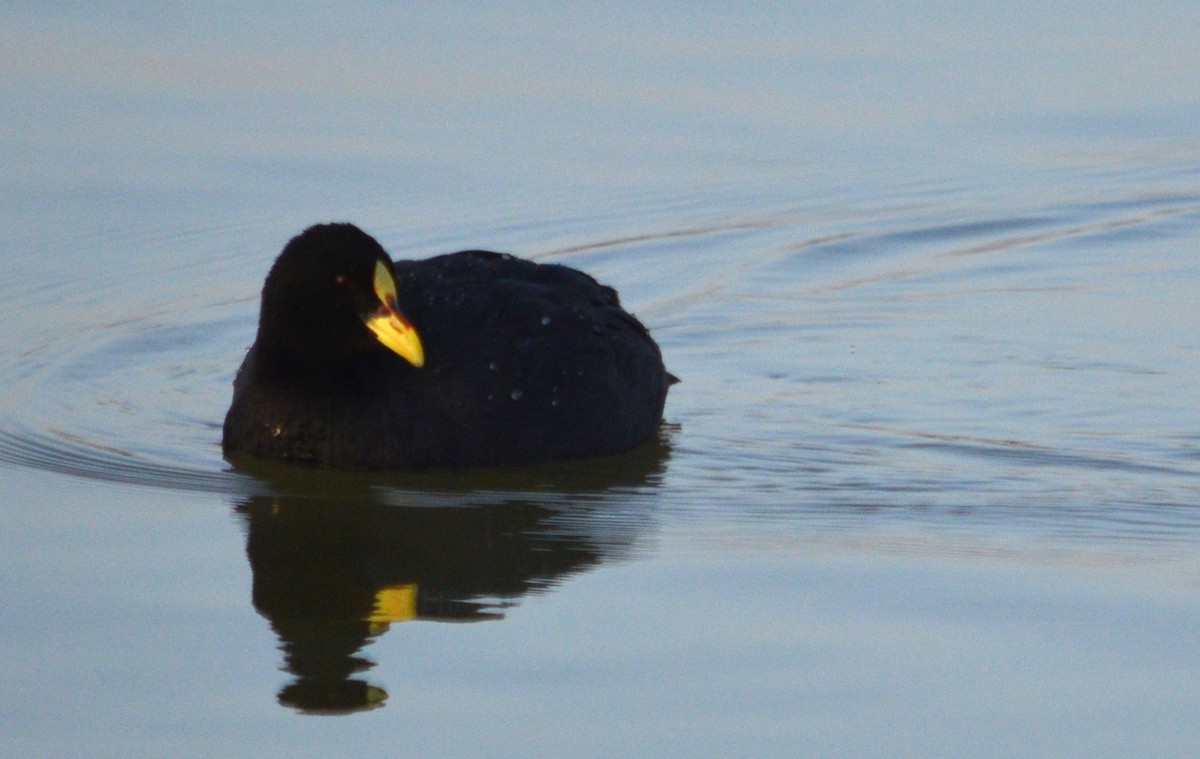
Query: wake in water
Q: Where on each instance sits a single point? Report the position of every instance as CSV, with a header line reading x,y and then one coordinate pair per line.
x,y
924,357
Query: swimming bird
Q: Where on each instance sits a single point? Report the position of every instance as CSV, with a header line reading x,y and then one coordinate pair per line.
x,y
465,359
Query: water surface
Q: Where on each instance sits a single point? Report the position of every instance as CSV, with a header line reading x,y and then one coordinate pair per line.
x,y
929,484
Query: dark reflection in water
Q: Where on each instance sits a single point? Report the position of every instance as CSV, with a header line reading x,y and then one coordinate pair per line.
x,y
338,558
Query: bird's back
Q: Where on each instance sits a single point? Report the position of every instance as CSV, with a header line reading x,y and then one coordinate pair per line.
x,y
526,361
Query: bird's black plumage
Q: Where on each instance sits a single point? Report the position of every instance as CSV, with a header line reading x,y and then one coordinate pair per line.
x,y
523,362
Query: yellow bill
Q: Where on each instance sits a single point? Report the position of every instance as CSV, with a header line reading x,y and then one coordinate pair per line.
x,y
389,325
396,603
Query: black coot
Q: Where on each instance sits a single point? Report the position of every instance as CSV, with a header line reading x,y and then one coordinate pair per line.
x,y
466,359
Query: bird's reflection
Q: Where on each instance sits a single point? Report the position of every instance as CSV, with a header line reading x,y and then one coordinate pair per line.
x,y
338,558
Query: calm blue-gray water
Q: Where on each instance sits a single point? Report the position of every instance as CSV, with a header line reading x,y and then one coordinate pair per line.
x,y
930,485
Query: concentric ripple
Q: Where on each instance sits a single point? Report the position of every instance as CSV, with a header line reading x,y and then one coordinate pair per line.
x,y
843,367
133,400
